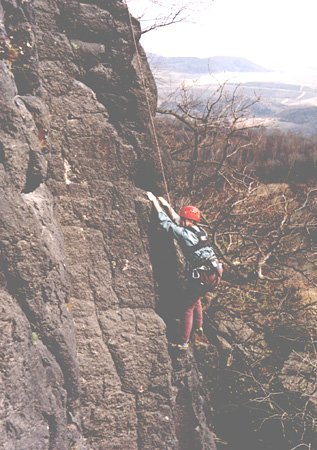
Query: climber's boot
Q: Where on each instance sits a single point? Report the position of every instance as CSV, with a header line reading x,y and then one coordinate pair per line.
x,y
183,346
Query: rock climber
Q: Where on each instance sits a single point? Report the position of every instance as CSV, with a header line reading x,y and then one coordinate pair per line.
x,y
204,272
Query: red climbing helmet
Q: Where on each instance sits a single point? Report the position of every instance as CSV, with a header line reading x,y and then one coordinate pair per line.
x,y
190,212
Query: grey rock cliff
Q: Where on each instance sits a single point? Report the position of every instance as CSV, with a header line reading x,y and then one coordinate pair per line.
x,y
84,360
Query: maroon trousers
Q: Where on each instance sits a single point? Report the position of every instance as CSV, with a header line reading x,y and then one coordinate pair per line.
x,y
193,311
192,307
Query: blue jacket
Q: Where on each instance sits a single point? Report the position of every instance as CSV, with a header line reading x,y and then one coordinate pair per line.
x,y
185,237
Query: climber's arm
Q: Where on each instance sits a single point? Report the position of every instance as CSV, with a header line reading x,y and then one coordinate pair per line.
x,y
171,211
155,202
180,233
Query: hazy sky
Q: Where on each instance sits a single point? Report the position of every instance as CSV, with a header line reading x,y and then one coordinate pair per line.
x,y
273,33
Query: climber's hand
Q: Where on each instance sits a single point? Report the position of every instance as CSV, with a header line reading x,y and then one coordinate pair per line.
x,y
164,202
151,196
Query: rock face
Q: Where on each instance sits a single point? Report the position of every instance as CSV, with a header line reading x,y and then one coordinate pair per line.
x,y
84,356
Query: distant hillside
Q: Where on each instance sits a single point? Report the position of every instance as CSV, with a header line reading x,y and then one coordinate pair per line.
x,y
300,119
299,116
214,64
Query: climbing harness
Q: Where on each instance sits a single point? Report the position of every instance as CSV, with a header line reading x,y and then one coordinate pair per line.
x,y
207,279
148,102
206,272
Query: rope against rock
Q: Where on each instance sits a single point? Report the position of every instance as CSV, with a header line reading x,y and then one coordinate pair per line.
x,y
148,103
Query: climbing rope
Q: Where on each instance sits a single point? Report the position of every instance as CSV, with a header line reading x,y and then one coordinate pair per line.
x,y
148,102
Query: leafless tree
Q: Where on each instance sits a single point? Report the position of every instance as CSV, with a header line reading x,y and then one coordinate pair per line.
x,y
156,14
216,127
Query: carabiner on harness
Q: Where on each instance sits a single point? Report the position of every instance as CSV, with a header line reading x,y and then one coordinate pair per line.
x,y
195,274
